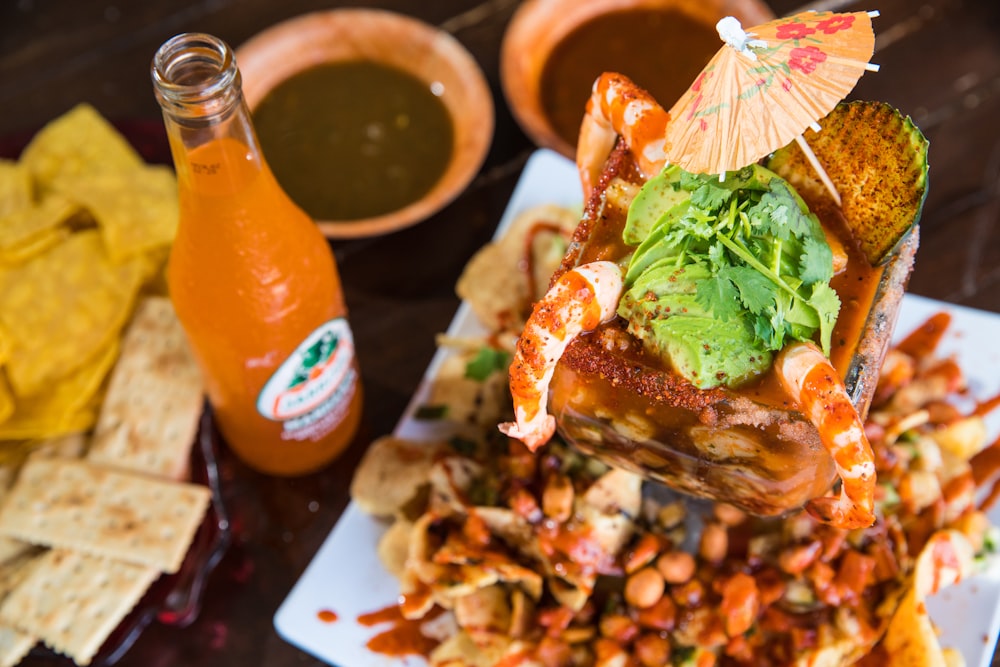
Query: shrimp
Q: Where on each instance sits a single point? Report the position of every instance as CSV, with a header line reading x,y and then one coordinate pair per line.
x,y
581,300
618,107
808,376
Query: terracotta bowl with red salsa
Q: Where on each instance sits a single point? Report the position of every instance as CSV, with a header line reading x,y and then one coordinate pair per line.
x,y
553,50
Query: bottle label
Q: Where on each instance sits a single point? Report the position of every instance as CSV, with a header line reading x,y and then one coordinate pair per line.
x,y
311,389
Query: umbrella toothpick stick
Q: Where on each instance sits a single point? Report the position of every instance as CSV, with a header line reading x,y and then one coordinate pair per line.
x,y
820,171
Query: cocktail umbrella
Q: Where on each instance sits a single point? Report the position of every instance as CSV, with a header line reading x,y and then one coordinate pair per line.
x,y
766,86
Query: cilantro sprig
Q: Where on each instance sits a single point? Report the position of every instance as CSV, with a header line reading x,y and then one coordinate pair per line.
x,y
487,361
748,249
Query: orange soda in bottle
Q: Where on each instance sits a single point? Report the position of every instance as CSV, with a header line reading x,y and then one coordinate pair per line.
x,y
252,278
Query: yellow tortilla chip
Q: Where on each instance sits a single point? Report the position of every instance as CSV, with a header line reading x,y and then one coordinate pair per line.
x,y
4,340
494,283
137,211
62,307
391,474
31,429
15,187
67,408
80,141
21,227
35,246
6,400
156,281
911,638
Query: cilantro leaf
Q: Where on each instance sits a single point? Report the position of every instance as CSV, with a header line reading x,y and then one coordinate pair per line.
x,y
826,302
778,214
486,362
710,196
719,297
757,291
816,261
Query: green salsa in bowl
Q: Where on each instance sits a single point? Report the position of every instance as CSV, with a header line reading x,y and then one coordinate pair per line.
x,y
370,120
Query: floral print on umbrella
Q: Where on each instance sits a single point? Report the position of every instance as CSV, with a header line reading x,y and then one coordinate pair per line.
x,y
778,76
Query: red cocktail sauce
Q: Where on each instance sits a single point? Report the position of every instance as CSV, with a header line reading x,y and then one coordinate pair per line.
x,y
404,637
922,341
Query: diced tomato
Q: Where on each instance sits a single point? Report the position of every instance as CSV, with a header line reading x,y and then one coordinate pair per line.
x,y
854,575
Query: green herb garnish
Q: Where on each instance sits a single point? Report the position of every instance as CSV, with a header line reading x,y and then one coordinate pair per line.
x,y
431,412
486,362
725,273
464,446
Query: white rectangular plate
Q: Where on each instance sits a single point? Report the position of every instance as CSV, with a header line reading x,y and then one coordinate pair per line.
x,y
347,578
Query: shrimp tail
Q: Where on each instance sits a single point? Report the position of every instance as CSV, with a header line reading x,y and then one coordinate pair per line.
x,y
580,300
618,107
808,376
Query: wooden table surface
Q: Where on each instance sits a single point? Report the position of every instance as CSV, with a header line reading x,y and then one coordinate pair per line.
x,y
940,63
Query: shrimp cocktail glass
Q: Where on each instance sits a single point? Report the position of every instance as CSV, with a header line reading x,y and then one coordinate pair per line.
x,y
723,334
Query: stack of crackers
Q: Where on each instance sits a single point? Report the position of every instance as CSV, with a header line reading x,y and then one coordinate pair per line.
x,y
87,524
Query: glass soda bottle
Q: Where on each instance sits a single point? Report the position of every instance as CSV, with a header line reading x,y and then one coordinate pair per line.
x,y
252,278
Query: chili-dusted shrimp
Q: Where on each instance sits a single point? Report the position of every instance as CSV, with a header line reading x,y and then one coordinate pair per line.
x,y
580,300
808,376
618,107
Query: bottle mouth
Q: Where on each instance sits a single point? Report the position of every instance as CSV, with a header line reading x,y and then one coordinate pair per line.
x,y
195,76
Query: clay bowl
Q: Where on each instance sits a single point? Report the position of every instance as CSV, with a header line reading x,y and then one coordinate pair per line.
x,y
540,26
431,55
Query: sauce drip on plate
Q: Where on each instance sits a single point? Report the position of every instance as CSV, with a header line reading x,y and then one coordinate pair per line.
x,y
404,636
327,615
661,49
355,139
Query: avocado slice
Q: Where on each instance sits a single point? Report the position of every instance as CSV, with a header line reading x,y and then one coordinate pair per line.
x,y
664,313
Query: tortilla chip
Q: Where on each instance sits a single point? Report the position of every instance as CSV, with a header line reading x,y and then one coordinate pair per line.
x,y
21,227
483,650
494,282
32,247
136,210
15,188
393,547
78,142
156,283
391,474
468,400
486,609
62,307
4,342
911,639
451,479
66,408
6,400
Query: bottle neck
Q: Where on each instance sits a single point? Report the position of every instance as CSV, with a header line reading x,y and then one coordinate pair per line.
x,y
197,83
